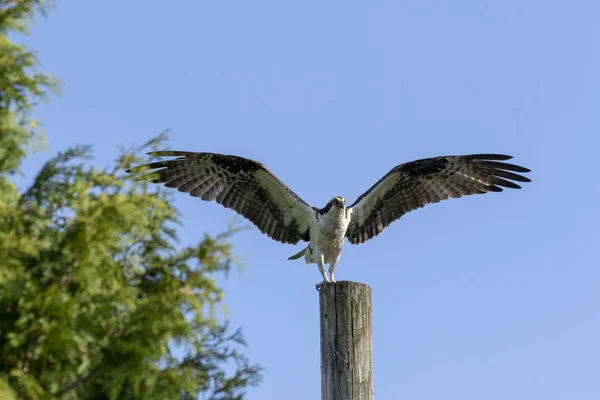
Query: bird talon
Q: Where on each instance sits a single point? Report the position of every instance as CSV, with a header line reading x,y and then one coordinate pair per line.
x,y
318,285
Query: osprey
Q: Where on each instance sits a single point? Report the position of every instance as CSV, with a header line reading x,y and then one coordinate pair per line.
x,y
250,189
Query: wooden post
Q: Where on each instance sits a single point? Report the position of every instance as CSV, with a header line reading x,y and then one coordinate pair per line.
x,y
346,341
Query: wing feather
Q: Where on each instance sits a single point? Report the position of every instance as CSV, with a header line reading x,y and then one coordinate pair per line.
x,y
241,184
415,184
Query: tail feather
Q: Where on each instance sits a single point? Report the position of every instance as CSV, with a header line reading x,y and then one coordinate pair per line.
x,y
299,254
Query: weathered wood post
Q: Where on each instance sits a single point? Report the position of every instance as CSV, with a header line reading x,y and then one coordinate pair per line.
x,y
346,341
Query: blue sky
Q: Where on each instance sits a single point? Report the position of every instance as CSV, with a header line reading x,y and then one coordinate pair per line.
x,y
486,297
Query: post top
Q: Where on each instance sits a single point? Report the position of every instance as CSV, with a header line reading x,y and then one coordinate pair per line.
x,y
344,285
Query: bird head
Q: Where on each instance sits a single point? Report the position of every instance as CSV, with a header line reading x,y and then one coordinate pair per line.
x,y
338,201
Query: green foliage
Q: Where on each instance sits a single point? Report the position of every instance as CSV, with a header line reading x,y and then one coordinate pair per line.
x,y
21,84
94,290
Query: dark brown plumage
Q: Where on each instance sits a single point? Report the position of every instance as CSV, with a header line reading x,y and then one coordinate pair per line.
x,y
415,184
250,189
238,183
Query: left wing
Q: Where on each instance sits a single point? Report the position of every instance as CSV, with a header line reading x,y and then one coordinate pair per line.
x,y
415,184
241,184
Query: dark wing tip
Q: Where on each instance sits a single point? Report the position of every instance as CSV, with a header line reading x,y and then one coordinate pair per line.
x,y
501,174
494,188
502,165
503,182
138,169
167,153
498,157
522,179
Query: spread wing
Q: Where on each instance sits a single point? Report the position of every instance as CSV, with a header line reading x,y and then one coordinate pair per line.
x,y
240,184
414,184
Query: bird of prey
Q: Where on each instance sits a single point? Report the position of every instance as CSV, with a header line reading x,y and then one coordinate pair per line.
x,y
250,189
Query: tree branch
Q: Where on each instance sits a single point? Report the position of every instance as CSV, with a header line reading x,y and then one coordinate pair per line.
x,y
76,383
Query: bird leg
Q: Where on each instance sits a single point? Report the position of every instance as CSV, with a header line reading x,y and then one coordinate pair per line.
x,y
332,268
320,264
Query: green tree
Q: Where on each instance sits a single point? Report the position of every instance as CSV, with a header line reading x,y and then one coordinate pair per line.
x,y
95,292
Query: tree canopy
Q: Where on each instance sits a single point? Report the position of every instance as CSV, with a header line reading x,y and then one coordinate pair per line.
x,y
97,298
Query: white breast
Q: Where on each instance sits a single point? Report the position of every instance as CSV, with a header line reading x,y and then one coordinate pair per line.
x,y
329,233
